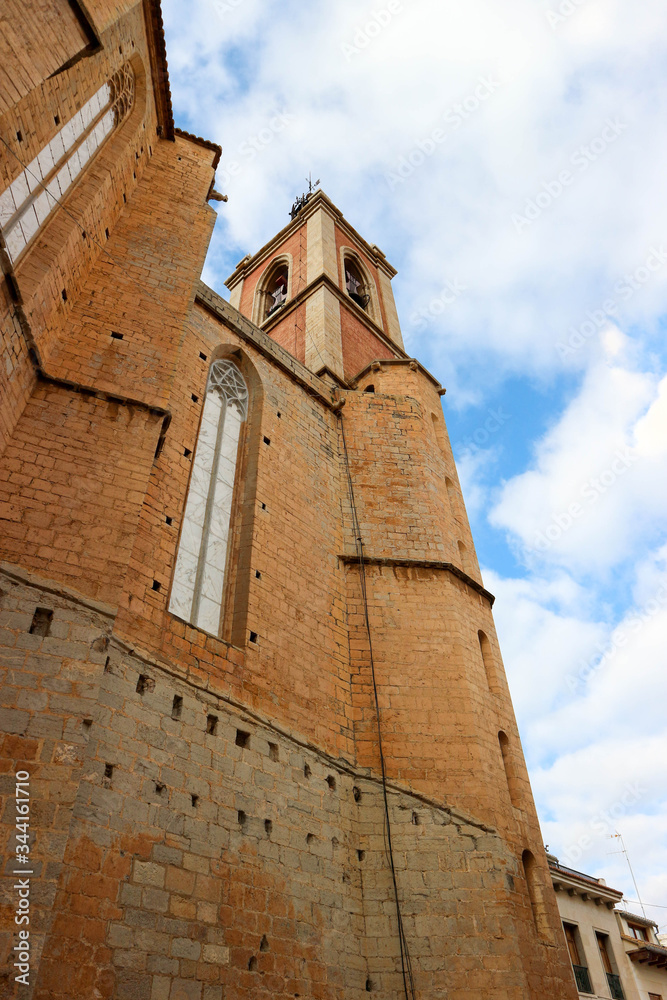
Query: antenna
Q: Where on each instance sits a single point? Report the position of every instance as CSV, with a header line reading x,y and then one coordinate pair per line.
x,y
311,186
618,836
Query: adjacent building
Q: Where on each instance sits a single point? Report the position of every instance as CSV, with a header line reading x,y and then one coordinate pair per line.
x,y
614,953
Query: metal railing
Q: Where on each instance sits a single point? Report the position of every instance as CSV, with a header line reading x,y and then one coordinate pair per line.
x,y
582,978
615,986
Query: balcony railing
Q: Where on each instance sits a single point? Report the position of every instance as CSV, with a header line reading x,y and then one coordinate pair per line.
x,y
582,978
615,986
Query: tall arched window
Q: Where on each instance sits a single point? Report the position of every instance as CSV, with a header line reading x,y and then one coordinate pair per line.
x,y
489,663
273,290
453,497
510,770
31,197
199,577
535,894
355,284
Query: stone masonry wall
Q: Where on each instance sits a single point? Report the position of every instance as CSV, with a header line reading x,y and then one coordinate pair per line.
x,y
193,850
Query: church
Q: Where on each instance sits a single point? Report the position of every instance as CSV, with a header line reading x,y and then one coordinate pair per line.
x,y
257,739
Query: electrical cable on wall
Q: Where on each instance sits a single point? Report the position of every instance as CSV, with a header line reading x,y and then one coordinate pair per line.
x,y
406,965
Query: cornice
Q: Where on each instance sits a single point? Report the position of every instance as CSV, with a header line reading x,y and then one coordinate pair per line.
x,y
351,560
206,143
274,353
411,363
317,200
157,50
587,888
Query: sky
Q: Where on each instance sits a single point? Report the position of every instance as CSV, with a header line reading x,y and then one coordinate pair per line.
x,y
509,158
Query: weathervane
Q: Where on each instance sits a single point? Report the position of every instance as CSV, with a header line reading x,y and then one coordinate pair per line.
x,y
303,200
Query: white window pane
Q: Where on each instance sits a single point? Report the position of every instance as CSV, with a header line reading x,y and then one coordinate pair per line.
x,y
191,536
181,601
85,152
15,241
86,114
209,615
77,124
64,180
107,122
67,135
33,175
29,223
7,206
104,95
45,160
212,583
73,166
53,189
20,189
42,206
57,148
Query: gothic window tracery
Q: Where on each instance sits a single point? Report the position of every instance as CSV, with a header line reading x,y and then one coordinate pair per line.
x,y
31,198
199,577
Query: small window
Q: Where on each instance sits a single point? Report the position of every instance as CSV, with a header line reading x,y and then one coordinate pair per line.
x,y
572,944
604,952
638,932
355,285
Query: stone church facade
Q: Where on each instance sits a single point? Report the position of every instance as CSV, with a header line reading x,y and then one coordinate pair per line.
x,y
248,661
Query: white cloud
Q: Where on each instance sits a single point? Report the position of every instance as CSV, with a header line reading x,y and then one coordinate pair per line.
x,y
597,484
580,687
354,118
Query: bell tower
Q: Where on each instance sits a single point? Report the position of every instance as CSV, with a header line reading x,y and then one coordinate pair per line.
x,y
322,292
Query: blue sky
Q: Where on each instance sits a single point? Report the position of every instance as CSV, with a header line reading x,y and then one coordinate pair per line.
x,y
509,159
